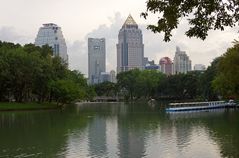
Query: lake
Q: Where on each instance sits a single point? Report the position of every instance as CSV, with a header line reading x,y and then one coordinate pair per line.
x,y
119,130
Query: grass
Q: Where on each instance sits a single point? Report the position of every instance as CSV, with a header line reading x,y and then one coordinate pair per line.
x,y
7,106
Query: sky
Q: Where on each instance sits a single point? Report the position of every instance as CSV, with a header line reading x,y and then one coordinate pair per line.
x,y
20,21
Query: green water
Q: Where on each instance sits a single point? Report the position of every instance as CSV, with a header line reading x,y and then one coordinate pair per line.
x,y
119,130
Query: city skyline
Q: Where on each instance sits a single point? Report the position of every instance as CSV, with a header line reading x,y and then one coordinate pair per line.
x,y
77,27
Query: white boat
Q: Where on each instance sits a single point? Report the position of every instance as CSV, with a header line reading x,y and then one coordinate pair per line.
x,y
200,106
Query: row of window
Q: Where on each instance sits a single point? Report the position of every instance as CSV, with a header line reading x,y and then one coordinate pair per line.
x,y
56,49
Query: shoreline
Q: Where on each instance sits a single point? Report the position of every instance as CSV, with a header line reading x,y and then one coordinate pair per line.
x,y
7,106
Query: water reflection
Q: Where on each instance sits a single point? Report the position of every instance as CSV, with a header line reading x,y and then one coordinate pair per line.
x,y
130,137
97,137
118,130
35,134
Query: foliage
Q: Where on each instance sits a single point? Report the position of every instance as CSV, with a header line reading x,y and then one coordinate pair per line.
x,y
202,15
106,89
136,84
181,86
26,106
30,73
65,91
226,81
206,86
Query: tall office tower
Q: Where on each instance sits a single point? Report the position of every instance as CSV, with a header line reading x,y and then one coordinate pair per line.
x,y
182,63
130,47
51,35
145,61
199,67
96,59
166,65
112,76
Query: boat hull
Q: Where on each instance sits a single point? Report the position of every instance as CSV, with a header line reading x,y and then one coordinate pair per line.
x,y
200,108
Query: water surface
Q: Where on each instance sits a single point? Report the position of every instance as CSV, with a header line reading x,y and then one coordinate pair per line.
x,y
119,130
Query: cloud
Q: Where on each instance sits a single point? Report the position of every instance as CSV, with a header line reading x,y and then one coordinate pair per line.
x,y
78,51
200,52
10,34
78,59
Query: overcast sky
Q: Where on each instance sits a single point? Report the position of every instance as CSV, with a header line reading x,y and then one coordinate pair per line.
x,y
80,19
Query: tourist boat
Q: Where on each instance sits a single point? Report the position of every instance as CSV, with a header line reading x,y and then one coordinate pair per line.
x,y
200,106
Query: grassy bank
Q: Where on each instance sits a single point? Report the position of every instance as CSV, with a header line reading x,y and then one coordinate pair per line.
x,y
26,106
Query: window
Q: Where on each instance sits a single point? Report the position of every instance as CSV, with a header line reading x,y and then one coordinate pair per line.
x,y
56,49
96,47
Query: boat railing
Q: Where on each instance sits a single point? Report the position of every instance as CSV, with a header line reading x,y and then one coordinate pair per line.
x,y
189,104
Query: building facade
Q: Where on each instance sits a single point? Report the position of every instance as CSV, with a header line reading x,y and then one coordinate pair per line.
x,y
104,77
130,47
182,63
166,65
96,59
152,67
199,67
51,34
113,76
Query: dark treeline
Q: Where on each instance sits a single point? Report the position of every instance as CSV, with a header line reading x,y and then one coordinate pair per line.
x,y
221,79
136,84
30,73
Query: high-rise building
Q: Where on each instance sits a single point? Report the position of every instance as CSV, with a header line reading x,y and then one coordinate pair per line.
x,y
150,65
182,63
166,65
112,76
51,34
145,61
96,59
130,47
199,67
104,77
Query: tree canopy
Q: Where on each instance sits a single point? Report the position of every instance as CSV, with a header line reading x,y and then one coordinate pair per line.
x,y
202,16
226,81
30,73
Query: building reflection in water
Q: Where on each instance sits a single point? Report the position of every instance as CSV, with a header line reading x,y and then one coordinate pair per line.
x,y
131,140
97,137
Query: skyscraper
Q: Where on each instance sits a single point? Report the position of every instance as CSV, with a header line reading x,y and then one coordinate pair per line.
x,y
182,63
166,65
130,47
112,76
51,35
96,59
199,67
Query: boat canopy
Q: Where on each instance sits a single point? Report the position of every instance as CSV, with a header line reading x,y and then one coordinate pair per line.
x,y
195,103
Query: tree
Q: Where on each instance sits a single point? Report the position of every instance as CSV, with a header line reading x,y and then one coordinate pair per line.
x,y
135,84
106,89
80,82
226,81
206,88
147,83
65,91
31,73
202,15
127,82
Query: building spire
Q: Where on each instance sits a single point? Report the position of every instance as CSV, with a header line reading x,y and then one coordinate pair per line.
x,y
129,21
